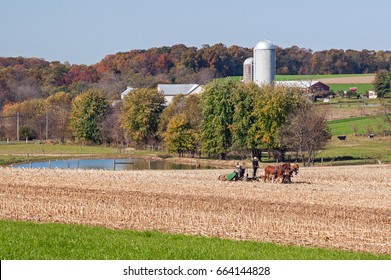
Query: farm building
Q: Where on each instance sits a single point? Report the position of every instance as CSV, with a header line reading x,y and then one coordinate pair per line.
x,y
171,90
372,94
126,92
308,86
261,68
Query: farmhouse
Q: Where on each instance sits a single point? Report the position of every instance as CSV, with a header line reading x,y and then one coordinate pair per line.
x,y
308,86
171,90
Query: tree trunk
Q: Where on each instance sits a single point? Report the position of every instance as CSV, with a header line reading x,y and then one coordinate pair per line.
x,y
222,156
257,153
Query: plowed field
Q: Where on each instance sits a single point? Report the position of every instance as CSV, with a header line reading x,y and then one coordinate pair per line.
x,y
349,80
340,207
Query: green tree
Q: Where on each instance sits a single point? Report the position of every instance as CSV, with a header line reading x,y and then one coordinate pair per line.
x,y
271,113
141,112
217,110
27,132
88,110
381,84
244,128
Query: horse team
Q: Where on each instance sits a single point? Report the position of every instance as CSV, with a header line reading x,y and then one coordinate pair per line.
x,y
280,173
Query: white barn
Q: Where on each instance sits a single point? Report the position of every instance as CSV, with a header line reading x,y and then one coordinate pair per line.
x,y
171,90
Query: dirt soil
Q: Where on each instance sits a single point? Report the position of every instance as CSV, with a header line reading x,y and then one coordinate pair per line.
x,y
335,207
349,80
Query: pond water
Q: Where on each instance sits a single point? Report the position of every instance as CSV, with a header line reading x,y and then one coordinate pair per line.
x,y
110,164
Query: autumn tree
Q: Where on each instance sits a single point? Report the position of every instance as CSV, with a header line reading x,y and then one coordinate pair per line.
x,y
88,111
180,137
271,113
187,104
58,108
306,133
111,126
189,107
141,112
31,117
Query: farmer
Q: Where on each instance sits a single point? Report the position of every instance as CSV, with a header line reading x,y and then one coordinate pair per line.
x,y
239,170
255,166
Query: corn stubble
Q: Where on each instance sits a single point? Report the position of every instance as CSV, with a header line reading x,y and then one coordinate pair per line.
x,y
339,207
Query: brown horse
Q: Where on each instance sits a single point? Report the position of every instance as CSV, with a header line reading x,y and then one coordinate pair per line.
x,y
277,172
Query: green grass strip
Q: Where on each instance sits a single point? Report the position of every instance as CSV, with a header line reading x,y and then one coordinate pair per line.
x,y
31,241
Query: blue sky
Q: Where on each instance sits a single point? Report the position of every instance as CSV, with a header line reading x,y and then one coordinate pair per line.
x,y
85,31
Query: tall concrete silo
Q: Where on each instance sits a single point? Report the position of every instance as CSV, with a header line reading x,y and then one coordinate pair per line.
x,y
248,66
264,62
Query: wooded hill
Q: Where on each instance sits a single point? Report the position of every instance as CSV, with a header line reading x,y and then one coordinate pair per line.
x,y
24,78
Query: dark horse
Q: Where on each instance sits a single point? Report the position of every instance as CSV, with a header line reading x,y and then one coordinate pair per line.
x,y
294,169
277,172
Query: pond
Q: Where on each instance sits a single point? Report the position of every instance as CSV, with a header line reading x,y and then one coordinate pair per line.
x,y
110,164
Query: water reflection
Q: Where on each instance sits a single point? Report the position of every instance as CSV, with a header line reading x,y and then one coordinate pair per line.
x,y
110,164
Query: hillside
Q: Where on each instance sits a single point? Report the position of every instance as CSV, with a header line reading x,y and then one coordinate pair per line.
x,y
23,78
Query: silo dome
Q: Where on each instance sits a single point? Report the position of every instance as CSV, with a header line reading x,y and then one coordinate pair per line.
x,y
264,62
265,45
248,70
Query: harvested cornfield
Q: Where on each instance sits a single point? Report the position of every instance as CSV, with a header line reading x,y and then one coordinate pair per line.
x,y
340,207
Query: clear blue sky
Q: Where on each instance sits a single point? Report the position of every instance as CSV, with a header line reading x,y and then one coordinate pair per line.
x,y
85,31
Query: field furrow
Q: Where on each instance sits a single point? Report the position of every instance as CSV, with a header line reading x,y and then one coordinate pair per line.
x,y
340,207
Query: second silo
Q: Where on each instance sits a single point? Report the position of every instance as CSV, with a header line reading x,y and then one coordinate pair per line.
x,y
264,62
248,67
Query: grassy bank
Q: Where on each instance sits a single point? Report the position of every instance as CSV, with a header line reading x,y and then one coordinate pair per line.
x,y
23,240
35,148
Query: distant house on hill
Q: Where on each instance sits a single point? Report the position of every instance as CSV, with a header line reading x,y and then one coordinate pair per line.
x,y
307,85
171,90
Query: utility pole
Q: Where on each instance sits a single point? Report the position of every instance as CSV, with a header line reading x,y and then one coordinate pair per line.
x,y
17,126
47,125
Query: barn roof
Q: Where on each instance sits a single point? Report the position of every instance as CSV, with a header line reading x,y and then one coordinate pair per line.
x,y
174,89
298,83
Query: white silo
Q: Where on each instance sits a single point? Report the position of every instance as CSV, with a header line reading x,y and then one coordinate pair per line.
x,y
248,66
264,62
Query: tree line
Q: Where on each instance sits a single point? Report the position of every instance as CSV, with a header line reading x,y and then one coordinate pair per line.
x,y
227,117
24,78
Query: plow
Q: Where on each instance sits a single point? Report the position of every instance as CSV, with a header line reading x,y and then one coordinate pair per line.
x,y
281,173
